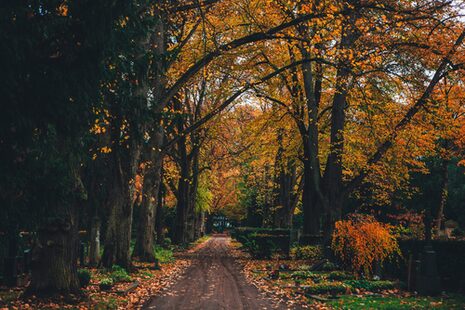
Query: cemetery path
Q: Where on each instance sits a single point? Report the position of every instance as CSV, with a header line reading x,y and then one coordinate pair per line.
x,y
213,281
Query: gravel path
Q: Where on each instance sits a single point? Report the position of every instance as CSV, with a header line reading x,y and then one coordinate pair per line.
x,y
213,281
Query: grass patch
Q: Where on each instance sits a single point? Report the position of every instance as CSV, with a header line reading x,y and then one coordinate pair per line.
x,y
163,255
340,275
119,274
306,275
201,240
398,303
332,288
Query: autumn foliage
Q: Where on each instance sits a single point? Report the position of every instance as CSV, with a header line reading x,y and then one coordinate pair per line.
x,y
360,241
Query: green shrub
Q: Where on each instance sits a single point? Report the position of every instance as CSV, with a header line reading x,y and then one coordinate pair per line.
x,y
264,246
329,266
84,277
106,284
327,288
263,242
340,275
374,286
166,242
307,252
458,232
119,274
163,255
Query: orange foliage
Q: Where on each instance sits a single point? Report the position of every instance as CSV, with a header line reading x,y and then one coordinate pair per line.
x,y
360,241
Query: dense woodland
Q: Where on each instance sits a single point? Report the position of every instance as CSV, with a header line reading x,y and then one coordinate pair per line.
x,y
137,121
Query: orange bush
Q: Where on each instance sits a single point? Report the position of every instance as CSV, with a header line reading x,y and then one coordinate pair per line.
x,y
360,241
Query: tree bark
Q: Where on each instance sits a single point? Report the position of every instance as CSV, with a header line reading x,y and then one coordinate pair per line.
x,y
311,196
285,180
152,153
333,182
152,178
94,249
119,224
124,164
54,260
444,195
55,252
159,216
182,195
193,187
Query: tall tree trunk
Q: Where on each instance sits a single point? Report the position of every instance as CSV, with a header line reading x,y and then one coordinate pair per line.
x,y
94,236
333,174
444,195
124,164
285,179
181,213
159,216
119,224
182,196
311,208
192,213
312,196
152,153
54,259
152,178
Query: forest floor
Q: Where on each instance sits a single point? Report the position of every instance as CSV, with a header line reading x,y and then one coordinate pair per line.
x,y
214,280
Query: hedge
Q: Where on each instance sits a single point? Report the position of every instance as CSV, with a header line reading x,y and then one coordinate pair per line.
x,y
310,239
263,242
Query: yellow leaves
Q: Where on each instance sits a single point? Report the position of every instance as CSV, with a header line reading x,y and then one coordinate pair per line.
x,y
105,150
101,150
62,10
123,21
332,8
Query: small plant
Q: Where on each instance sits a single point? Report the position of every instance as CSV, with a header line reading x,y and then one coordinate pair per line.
x,y
146,274
119,274
329,266
308,252
163,255
84,277
373,286
106,284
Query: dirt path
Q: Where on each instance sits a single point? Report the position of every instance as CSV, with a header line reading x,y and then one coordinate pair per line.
x,y
213,281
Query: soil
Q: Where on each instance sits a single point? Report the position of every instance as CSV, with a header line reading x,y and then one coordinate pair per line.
x,y
213,281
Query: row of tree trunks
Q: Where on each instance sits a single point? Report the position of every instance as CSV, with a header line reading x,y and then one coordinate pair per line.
x,y
322,196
